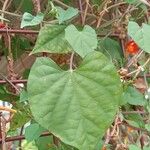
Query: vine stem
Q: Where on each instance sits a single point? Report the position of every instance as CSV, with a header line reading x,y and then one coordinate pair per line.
x,y
22,137
137,71
71,61
81,9
9,13
85,12
3,9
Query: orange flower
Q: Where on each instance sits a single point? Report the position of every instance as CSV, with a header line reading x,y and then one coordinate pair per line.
x,y
132,47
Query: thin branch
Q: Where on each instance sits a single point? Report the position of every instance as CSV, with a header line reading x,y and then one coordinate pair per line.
x,y
8,81
81,10
13,81
9,13
3,9
133,112
71,61
22,137
85,12
18,31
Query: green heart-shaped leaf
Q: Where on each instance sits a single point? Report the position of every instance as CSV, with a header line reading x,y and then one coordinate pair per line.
x,y
52,39
29,20
33,131
83,42
64,15
140,35
77,106
134,97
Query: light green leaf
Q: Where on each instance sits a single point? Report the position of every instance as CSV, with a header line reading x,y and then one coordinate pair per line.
x,y
134,97
1,18
147,127
133,123
76,106
23,96
140,35
146,148
110,48
64,15
132,1
21,117
33,131
29,20
52,39
83,42
134,147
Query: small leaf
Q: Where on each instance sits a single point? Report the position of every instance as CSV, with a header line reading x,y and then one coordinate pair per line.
x,y
64,15
147,127
134,97
33,131
21,117
23,96
110,48
133,123
83,42
77,106
146,148
134,147
52,39
30,20
140,35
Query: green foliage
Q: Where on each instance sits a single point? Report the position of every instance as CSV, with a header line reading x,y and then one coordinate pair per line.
x,y
64,15
132,1
33,131
25,5
140,35
73,105
28,146
44,143
96,2
51,39
30,20
135,120
7,96
134,147
110,48
147,127
19,46
22,116
23,96
82,42
134,97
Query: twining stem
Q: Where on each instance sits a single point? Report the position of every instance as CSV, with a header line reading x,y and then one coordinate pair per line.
x,y
137,71
85,12
81,10
71,61
7,80
9,13
3,9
